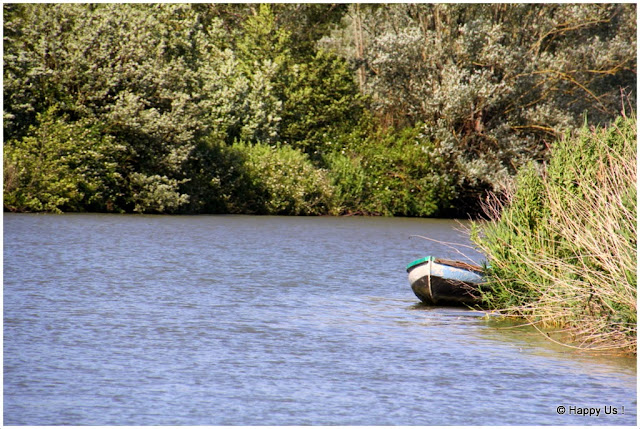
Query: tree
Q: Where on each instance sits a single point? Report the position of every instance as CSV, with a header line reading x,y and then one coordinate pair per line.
x,y
300,97
321,104
150,75
494,84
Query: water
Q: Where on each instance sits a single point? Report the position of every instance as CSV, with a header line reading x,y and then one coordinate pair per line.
x,y
241,320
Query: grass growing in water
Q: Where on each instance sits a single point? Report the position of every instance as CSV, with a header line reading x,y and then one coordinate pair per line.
x,y
561,244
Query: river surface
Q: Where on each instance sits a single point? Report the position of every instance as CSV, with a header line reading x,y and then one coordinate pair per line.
x,y
244,320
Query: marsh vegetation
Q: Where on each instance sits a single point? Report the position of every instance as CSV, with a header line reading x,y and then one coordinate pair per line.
x,y
562,243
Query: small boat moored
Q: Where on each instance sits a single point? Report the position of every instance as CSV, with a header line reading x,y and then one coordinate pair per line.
x,y
443,282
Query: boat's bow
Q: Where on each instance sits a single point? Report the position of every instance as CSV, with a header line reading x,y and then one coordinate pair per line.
x,y
440,281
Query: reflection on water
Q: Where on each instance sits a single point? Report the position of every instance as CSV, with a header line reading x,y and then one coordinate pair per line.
x,y
242,320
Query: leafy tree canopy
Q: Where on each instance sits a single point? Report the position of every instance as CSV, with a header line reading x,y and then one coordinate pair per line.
x,y
399,109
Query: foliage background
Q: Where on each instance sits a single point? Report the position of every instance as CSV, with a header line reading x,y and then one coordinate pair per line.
x,y
400,109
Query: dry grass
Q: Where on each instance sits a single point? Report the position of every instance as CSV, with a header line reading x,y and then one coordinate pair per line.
x,y
566,256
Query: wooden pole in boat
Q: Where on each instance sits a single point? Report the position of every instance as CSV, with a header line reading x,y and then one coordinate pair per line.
x,y
429,265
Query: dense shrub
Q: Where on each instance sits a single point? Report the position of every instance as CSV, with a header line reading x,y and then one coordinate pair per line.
x,y
390,173
61,165
150,76
290,183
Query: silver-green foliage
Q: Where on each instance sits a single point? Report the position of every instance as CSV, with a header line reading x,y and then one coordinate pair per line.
x,y
493,84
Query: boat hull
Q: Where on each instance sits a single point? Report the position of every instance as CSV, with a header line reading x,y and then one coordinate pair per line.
x,y
435,282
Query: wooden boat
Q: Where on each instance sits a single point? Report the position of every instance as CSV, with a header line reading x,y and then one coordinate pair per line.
x,y
442,282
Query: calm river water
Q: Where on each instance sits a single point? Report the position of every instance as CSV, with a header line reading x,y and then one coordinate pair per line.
x,y
243,320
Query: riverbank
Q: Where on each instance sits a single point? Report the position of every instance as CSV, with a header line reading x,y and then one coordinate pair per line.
x,y
561,243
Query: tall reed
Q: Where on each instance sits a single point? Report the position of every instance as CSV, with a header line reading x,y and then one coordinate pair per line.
x,y
561,243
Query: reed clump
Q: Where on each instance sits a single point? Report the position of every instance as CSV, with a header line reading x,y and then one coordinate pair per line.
x,y
561,242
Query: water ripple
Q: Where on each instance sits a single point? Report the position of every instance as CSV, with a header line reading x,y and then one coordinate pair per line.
x,y
240,320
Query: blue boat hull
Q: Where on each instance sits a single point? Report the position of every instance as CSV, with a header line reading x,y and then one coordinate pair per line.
x,y
440,282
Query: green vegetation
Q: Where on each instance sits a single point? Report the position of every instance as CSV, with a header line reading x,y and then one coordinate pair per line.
x,y
391,172
399,109
562,245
